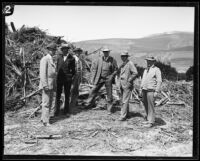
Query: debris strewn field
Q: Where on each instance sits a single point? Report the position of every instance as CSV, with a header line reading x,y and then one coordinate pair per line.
x,y
88,131
94,132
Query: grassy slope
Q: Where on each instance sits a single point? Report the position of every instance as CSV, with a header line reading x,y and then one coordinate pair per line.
x,y
178,47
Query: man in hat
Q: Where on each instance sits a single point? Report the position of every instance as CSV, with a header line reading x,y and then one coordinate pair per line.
x,y
150,86
128,74
65,74
47,82
102,73
77,77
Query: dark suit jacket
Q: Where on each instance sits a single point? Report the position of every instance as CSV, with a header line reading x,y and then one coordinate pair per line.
x,y
65,70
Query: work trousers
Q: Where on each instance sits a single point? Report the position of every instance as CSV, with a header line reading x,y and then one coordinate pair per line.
x,y
75,89
148,100
47,99
97,87
125,97
67,88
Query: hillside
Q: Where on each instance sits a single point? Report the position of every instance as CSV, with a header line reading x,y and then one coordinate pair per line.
x,y
175,46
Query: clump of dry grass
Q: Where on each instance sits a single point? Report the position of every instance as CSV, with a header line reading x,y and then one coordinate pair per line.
x,y
179,91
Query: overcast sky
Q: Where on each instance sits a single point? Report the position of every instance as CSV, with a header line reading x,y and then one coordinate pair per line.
x,y
77,23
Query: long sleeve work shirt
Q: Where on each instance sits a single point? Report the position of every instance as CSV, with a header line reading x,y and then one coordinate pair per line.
x,y
151,79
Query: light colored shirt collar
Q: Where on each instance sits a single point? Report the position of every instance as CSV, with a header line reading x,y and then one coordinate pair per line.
x,y
65,57
105,58
148,68
125,62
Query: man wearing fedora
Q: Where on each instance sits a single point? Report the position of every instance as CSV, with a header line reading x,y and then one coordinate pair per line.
x,y
47,82
102,74
65,73
77,77
128,74
150,86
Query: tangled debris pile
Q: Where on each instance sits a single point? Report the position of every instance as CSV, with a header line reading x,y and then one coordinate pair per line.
x,y
177,93
23,50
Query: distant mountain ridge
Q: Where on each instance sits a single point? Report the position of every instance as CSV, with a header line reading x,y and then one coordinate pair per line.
x,y
176,44
156,42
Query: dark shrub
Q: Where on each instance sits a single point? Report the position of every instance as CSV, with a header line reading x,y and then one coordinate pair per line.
x,y
189,74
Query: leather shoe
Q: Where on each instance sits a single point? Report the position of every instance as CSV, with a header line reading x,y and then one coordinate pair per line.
x,y
148,125
145,122
46,124
145,118
121,119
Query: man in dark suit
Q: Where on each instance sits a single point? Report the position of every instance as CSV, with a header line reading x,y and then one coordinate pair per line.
x,y
65,73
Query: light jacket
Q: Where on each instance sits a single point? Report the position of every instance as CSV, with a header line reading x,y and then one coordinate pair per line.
x,y
127,72
47,72
151,80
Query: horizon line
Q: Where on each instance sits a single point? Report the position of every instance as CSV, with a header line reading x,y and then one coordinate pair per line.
x,y
155,34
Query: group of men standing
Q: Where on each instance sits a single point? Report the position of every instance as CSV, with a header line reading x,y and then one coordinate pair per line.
x,y
67,73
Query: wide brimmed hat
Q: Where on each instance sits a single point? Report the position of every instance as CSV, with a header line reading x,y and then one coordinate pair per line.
x,y
64,46
125,53
151,58
52,46
77,49
106,49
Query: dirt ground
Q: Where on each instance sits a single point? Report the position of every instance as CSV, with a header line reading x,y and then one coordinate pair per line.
x,y
94,132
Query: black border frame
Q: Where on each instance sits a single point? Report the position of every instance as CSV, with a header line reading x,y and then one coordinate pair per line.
x,y
194,4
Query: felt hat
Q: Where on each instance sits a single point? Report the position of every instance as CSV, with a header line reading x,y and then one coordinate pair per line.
x,y
64,46
78,49
106,49
52,46
125,53
151,58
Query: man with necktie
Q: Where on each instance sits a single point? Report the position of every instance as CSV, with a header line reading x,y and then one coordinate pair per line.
x,y
47,82
65,73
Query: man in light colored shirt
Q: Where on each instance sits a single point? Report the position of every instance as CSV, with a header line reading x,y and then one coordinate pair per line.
x,y
77,77
128,73
47,82
150,86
